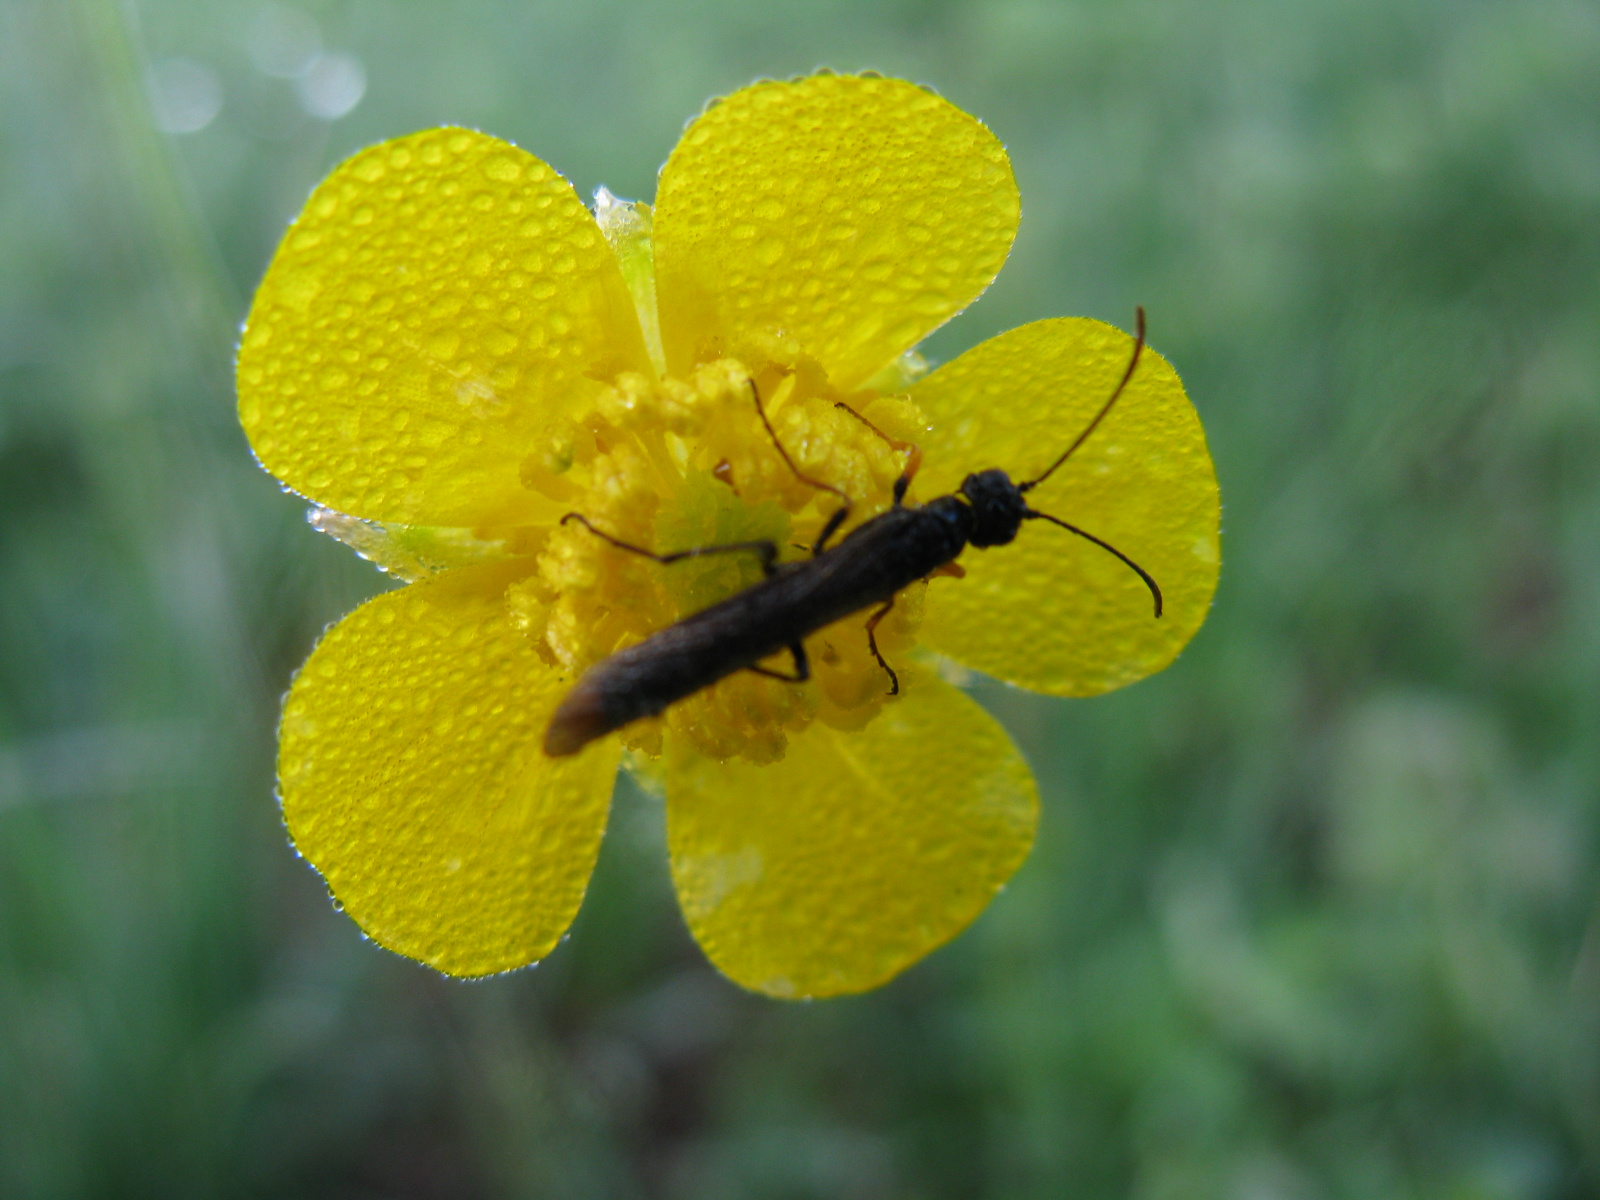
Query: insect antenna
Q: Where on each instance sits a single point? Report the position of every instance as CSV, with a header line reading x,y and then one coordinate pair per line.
x,y
1138,347
1155,588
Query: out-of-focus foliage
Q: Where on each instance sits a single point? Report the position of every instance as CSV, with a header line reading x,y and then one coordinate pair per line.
x,y
1313,914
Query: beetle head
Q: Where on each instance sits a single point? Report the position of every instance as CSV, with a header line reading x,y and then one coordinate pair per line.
x,y
997,507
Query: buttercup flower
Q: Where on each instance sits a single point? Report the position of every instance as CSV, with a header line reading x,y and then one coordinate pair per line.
x,y
450,352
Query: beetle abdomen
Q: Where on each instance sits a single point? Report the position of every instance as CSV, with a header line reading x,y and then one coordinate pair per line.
x,y
876,560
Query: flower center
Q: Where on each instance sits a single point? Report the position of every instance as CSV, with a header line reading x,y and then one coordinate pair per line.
x,y
676,464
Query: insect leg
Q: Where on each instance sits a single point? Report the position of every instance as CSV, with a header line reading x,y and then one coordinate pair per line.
x,y
872,643
802,666
839,517
913,455
763,549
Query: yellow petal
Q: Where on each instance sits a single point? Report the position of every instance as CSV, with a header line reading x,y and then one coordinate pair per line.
x,y
852,215
835,869
440,300
1052,612
413,777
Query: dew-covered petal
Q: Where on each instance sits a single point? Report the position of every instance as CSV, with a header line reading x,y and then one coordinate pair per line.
x,y
414,779
835,869
1052,612
439,302
851,215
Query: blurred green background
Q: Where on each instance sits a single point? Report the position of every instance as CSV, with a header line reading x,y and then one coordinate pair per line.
x,y
1312,915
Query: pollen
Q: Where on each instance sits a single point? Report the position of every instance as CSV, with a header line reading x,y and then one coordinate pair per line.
x,y
672,464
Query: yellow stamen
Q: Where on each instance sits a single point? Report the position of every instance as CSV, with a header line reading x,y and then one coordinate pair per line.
x,y
672,464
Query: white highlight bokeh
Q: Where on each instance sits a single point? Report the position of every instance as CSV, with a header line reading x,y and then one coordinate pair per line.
x,y
332,85
185,96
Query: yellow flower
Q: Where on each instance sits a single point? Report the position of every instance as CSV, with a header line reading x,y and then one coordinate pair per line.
x,y
449,352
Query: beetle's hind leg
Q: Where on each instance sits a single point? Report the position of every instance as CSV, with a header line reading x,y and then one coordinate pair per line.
x,y
765,550
872,643
913,453
802,666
